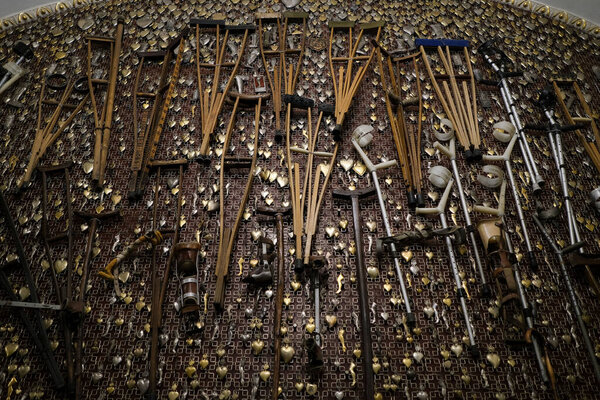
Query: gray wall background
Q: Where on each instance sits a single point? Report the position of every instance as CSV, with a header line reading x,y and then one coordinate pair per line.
x,y
587,9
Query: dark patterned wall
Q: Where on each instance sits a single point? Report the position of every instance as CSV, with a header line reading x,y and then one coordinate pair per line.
x,y
432,361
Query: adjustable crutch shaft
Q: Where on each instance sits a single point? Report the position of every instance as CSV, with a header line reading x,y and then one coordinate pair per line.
x,y
484,285
573,299
460,290
527,313
557,152
519,208
410,316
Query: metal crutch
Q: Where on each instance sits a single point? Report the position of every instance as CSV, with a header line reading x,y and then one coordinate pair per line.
x,y
506,132
488,51
540,355
450,152
362,137
441,177
571,293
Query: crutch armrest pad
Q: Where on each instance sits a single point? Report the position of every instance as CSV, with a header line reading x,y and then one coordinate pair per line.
x,y
372,25
295,15
207,23
341,24
240,28
441,42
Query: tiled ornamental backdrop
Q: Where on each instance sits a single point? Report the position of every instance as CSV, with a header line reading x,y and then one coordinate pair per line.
x,y
116,340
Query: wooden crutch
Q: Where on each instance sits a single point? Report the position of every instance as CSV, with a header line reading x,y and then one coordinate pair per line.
x,y
227,234
284,78
345,83
103,122
212,98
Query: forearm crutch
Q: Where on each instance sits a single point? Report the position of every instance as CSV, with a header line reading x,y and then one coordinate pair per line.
x,y
506,132
362,137
441,177
497,242
500,64
450,152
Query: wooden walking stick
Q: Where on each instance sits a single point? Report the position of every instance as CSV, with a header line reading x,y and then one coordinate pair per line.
x,y
277,56
345,83
148,126
278,214
213,97
103,122
363,294
227,234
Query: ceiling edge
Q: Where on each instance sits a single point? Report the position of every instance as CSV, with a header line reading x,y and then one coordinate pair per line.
x,y
556,14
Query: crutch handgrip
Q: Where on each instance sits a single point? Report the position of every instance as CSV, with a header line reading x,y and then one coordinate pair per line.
x,y
386,164
441,42
370,166
507,152
499,212
449,151
441,205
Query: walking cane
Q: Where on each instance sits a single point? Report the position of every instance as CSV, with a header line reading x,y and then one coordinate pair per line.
x,y
363,294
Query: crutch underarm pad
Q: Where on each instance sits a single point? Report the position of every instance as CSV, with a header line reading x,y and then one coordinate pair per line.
x,y
207,23
441,42
240,28
295,15
372,25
